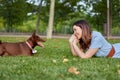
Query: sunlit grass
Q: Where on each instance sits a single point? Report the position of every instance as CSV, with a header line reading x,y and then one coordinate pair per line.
x,y
47,64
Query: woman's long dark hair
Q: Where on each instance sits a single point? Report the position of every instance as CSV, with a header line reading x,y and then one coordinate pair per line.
x,y
86,33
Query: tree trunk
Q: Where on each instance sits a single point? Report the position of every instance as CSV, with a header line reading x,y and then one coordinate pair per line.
x,y
108,19
51,20
38,20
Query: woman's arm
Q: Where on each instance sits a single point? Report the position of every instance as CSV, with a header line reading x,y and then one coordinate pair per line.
x,y
72,49
89,53
71,45
81,54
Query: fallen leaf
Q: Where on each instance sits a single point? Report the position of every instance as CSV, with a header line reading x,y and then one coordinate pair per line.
x,y
23,61
119,65
118,71
73,70
54,61
65,60
74,59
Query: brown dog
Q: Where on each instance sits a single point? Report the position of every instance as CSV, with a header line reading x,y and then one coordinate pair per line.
x,y
21,48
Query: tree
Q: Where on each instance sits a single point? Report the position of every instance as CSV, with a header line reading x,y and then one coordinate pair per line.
x,y
99,11
51,20
38,12
13,12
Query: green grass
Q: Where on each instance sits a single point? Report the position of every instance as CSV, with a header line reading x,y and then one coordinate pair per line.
x,y
47,64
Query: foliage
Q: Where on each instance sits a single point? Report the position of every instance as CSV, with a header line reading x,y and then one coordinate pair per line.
x,y
64,11
1,23
99,12
13,12
116,30
30,24
47,64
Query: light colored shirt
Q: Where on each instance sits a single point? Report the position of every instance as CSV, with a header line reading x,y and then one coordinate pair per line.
x,y
98,41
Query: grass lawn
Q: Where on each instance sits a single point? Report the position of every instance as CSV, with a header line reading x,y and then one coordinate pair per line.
x,y
53,63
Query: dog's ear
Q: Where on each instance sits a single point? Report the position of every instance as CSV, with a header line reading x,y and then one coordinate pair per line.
x,y
34,33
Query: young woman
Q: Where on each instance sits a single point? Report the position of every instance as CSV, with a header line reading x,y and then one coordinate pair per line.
x,y
86,43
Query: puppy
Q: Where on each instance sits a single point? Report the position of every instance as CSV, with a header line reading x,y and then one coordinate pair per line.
x,y
21,48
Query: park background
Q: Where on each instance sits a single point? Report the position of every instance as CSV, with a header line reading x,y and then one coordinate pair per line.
x,y
55,17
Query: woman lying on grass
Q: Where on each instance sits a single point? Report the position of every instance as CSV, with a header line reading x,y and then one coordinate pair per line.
x,y
91,42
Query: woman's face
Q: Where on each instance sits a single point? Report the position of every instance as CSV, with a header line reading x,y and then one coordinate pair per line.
x,y
77,31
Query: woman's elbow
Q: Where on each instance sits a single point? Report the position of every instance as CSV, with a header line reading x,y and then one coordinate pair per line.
x,y
85,57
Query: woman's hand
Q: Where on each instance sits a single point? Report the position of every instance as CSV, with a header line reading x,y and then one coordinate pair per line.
x,y
75,41
72,38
